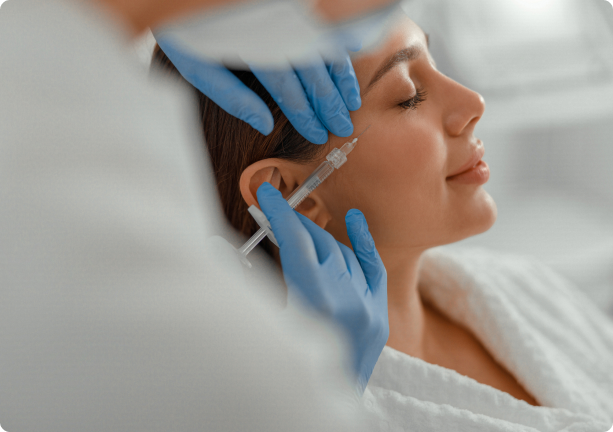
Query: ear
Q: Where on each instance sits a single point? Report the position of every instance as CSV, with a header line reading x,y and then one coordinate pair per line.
x,y
286,177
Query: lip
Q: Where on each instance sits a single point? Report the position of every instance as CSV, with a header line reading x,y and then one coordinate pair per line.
x,y
477,155
477,175
474,171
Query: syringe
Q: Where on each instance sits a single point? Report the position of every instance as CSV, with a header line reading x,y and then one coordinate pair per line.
x,y
335,159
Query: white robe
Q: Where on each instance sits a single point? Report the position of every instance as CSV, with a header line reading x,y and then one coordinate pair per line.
x,y
542,329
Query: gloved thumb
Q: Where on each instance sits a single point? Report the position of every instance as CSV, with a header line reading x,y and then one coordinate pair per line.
x,y
365,250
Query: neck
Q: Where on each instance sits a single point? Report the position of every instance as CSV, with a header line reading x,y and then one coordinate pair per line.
x,y
407,315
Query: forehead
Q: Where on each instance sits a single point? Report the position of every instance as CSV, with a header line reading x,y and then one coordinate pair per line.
x,y
404,34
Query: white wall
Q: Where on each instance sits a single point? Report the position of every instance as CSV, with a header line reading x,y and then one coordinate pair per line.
x,y
545,68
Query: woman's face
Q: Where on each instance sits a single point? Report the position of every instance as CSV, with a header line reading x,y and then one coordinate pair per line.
x,y
421,134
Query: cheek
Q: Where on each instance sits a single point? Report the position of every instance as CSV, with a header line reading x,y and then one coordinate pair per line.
x,y
393,178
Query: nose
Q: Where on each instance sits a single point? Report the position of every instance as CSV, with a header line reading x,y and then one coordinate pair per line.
x,y
463,108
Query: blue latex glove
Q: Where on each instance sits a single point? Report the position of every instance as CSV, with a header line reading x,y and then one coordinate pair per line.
x,y
349,288
315,98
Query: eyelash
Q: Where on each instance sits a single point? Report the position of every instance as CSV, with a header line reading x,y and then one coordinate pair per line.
x,y
414,102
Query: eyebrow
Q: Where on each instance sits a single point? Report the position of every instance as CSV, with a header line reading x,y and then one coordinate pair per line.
x,y
404,55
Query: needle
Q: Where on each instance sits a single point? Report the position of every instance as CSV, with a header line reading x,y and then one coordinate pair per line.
x,y
364,131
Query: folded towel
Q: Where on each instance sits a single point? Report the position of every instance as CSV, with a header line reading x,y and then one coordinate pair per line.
x,y
536,324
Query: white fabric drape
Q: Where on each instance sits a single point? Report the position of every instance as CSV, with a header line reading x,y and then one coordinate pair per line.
x,y
541,328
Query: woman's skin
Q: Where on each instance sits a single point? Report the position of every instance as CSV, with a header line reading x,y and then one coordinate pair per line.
x,y
399,177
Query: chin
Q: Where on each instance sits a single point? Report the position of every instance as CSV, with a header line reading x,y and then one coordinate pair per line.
x,y
487,214
479,216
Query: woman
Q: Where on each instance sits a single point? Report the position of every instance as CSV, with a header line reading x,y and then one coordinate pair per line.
x,y
477,340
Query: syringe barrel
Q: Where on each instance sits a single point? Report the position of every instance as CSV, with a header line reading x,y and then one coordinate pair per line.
x,y
322,172
336,158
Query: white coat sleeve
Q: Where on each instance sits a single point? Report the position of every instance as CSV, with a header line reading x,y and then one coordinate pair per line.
x,y
116,313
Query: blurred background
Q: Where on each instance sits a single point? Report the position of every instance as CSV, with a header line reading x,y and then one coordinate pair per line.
x,y
545,69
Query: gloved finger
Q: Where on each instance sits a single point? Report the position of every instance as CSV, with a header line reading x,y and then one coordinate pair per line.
x,y
343,75
353,266
365,250
286,89
326,246
291,234
221,86
325,97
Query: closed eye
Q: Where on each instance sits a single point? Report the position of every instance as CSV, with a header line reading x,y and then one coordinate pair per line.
x,y
413,103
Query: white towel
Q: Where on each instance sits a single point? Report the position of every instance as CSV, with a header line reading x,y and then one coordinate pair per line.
x,y
536,324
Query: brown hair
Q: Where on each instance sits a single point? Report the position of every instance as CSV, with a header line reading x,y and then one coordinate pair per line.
x,y
233,145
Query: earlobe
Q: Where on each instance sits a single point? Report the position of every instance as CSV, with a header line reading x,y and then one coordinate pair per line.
x,y
286,177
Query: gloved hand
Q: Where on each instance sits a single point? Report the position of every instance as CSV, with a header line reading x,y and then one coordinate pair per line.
x,y
350,288
315,98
